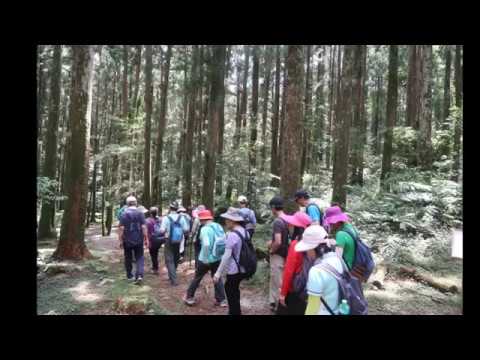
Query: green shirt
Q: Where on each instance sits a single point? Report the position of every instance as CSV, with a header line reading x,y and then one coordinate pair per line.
x,y
345,241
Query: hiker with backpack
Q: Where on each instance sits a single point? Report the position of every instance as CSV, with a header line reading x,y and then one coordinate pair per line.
x,y
302,198
278,248
133,236
239,260
155,237
195,231
212,238
248,214
183,245
349,246
175,227
292,298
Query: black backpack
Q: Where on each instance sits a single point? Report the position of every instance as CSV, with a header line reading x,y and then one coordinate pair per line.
x,y
248,257
299,283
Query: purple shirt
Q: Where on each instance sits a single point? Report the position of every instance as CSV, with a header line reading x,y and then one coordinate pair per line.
x,y
151,223
234,242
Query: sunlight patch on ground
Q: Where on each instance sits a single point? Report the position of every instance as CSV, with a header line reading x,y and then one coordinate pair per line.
x,y
83,293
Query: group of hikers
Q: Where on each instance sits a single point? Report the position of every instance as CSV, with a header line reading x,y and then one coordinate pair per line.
x,y
317,261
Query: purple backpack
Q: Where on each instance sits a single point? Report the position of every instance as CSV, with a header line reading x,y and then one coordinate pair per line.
x,y
349,288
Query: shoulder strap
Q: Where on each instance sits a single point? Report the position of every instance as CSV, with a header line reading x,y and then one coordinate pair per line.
x,y
326,305
353,235
242,238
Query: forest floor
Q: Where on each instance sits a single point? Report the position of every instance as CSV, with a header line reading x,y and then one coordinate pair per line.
x,y
99,287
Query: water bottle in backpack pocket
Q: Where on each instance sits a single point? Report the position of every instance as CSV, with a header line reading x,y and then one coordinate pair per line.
x,y
176,230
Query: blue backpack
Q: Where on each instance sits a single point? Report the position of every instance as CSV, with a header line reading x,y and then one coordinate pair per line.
x,y
133,233
219,243
176,230
363,263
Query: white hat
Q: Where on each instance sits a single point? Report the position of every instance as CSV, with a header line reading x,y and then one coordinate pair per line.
x,y
313,236
242,199
131,199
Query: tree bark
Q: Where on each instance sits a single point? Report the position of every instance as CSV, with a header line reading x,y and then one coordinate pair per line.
x,y
392,99
266,92
459,118
217,92
308,114
138,63
283,111
446,87
45,228
157,180
252,148
318,139
342,129
414,86
331,102
40,102
424,139
148,125
243,106
187,165
292,147
274,158
72,244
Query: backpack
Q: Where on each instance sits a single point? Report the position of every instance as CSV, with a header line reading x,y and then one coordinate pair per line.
x,y
134,233
219,242
248,257
286,240
157,236
299,284
319,210
349,288
176,230
363,263
120,212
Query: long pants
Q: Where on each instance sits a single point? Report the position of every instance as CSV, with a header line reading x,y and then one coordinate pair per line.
x,y
129,252
277,263
183,245
295,305
172,255
200,272
153,249
198,248
232,290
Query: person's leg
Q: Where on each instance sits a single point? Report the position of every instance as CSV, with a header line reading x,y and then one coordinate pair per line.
x,y
182,246
200,272
176,254
154,256
276,275
197,252
219,288
232,291
140,261
170,263
128,260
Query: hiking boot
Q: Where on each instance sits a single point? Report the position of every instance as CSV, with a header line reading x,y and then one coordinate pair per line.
x,y
189,301
223,303
130,278
139,280
180,261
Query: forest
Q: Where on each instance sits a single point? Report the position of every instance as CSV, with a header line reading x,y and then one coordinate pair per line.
x,y
376,129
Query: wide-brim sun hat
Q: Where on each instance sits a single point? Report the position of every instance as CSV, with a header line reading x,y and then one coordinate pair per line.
x,y
299,219
233,214
205,215
313,236
334,215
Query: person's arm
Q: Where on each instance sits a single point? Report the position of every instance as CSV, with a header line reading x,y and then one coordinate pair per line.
x,y
340,241
277,243
120,235
223,264
253,218
165,226
292,262
313,305
145,234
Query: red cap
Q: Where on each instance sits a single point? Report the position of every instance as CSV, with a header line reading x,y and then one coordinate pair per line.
x,y
205,215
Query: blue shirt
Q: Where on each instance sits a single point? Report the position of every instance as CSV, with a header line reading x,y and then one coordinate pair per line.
x,y
249,215
322,283
165,227
207,239
313,212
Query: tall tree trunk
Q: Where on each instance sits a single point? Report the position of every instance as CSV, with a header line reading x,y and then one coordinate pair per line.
x,y
243,106
336,113
331,101
199,121
217,92
157,181
424,139
283,112
138,63
45,228
392,97
342,129
72,244
40,101
414,86
148,124
187,165
274,158
318,141
446,87
252,148
308,115
291,147
459,118
358,100
266,92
